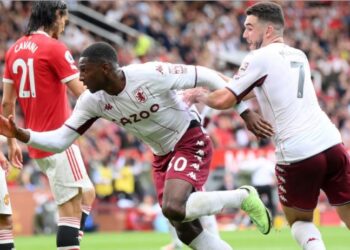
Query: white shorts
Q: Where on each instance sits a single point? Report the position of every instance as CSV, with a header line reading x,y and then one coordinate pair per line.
x,y
66,173
5,205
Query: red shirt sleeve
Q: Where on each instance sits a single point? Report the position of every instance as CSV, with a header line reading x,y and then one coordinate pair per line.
x,y
64,65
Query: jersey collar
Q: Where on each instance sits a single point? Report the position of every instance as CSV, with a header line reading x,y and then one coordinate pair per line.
x,y
40,32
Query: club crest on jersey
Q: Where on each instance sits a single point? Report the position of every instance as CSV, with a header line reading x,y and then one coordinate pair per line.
x,y
159,68
244,67
140,95
108,106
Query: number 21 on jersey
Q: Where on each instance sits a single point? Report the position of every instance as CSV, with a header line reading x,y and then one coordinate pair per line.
x,y
27,70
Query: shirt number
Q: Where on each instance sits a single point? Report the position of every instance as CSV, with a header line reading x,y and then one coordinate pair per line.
x,y
300,66
27,69
179,164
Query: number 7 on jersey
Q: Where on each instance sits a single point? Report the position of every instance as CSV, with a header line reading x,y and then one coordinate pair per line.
x,y
300,66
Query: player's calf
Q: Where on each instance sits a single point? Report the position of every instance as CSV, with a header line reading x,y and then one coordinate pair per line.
x,y
85,213
68,233
6,235
6,240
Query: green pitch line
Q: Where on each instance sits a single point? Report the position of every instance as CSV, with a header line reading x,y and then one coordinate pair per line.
x,y
336,238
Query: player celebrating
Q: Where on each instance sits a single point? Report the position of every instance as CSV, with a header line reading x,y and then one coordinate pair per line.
x,y
309,150
142,99
38,71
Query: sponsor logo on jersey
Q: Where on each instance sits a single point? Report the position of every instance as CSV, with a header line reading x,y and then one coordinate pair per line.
x,y
138,117
140,95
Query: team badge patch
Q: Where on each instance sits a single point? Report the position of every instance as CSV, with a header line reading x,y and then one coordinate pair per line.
x,y
159,68
108,106
177,69
140,95
244,67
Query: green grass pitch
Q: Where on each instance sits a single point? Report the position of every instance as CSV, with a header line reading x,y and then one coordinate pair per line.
x,y
336,238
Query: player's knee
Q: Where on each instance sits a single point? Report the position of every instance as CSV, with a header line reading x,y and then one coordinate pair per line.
x,y
173,211
71,208
5,221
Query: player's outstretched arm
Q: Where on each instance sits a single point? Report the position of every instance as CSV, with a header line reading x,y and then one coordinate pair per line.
x,y
52,141
218,99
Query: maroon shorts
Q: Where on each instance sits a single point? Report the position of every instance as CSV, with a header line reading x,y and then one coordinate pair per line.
x,y
189,161
299,183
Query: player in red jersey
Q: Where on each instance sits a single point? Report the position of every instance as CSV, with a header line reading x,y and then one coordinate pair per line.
x,y
38,70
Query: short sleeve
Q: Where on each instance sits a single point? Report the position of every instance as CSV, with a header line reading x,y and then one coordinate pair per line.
x,y
252,73
85,113
174,76
7,78
63,63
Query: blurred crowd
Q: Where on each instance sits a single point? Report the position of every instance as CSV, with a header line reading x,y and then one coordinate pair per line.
x,y
201,33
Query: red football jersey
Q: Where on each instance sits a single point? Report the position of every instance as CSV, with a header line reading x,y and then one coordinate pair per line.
x,y
39,67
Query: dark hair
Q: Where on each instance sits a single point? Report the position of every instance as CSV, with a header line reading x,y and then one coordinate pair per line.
x,y
267,11
44,14
100,51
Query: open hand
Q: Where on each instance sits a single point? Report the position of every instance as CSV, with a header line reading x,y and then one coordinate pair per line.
x,y
4,163
15,154
257,125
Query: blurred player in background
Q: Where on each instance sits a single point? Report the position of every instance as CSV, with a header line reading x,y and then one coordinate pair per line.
x,y
6,235
309,150
142,99
38,70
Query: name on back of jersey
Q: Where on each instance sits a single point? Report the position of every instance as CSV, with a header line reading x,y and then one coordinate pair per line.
x,y
27,45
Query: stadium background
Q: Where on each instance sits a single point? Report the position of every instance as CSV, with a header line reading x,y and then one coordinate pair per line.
x,y
203,33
